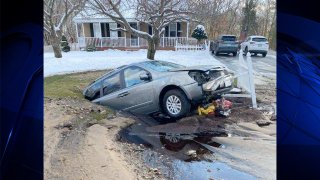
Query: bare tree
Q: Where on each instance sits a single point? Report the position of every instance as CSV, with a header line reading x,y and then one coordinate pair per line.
x,y
218,16
56,13
157,13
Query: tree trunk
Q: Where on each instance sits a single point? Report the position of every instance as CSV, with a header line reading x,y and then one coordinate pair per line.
x,y
57,50
152,47
55,42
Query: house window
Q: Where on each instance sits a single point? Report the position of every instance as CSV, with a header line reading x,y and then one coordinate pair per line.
x,y
150,29
135,26
134,39
166,33
91,30
173,29
179,29
119,32
105,30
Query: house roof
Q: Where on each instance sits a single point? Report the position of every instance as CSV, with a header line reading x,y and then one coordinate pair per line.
x,y
88,14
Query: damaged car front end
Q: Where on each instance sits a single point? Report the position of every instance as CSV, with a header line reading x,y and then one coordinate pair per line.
x,y
214,80
158,86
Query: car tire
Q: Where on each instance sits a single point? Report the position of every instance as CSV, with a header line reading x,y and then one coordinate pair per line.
x,y
216,53
246,51
175,104
234,53
264,54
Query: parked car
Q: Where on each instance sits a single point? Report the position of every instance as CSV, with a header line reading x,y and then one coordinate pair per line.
x,y
159,86
225,44
255,45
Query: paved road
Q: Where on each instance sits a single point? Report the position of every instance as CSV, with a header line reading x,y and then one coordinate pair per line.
x,y
265,66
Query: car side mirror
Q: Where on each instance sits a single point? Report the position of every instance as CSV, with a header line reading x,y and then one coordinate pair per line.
x,y
145,76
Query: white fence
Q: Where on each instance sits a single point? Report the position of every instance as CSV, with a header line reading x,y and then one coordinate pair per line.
x,y
186,46
245,79
132,42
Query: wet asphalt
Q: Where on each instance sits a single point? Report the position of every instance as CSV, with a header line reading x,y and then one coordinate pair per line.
x,y
264,66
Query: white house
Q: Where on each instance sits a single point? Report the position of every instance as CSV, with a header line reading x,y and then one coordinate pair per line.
x,y
96,30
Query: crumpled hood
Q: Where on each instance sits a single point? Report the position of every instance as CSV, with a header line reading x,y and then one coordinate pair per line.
x,y
199,68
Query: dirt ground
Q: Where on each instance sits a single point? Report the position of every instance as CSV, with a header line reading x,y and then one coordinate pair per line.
x,y
82,139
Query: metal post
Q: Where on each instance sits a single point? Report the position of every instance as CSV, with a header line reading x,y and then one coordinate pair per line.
x,y
251,81
240,65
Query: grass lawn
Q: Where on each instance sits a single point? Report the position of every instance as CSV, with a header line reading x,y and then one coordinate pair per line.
x,y
69,85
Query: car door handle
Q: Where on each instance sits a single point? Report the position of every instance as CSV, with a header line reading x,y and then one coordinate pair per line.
x,y
123,94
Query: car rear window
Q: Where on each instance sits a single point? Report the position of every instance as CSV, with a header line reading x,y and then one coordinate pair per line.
x,y
162,66
228,38
259,39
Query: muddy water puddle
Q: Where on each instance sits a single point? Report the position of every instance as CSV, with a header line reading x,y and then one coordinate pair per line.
x,y
181,156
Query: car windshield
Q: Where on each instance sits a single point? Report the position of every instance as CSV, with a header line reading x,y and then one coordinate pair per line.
x,y
228,38
259,39
162,66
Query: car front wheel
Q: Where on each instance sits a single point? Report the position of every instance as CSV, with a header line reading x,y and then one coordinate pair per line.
x,y
176,104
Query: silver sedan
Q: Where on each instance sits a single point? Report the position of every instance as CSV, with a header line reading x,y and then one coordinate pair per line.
x,y
159,86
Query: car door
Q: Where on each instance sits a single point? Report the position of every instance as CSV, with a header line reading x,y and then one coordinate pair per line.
x,y
110,89
139,94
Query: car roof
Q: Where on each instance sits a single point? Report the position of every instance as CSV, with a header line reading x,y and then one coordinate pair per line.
x,y
141,63
227,35
255,36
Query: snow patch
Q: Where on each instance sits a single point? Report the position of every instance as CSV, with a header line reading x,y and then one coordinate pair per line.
x,y
199,26
79,61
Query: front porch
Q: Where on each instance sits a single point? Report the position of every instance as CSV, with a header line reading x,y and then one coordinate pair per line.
x,y
99,33
123,43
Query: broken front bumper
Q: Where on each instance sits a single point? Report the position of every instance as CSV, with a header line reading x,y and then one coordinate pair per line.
x,y
219,85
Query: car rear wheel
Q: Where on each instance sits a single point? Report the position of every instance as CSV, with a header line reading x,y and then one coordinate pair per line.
x,y
234,53
264,54
216,53
175,104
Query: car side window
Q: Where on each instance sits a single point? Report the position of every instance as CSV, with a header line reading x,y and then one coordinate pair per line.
x,y
132,76
111,84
